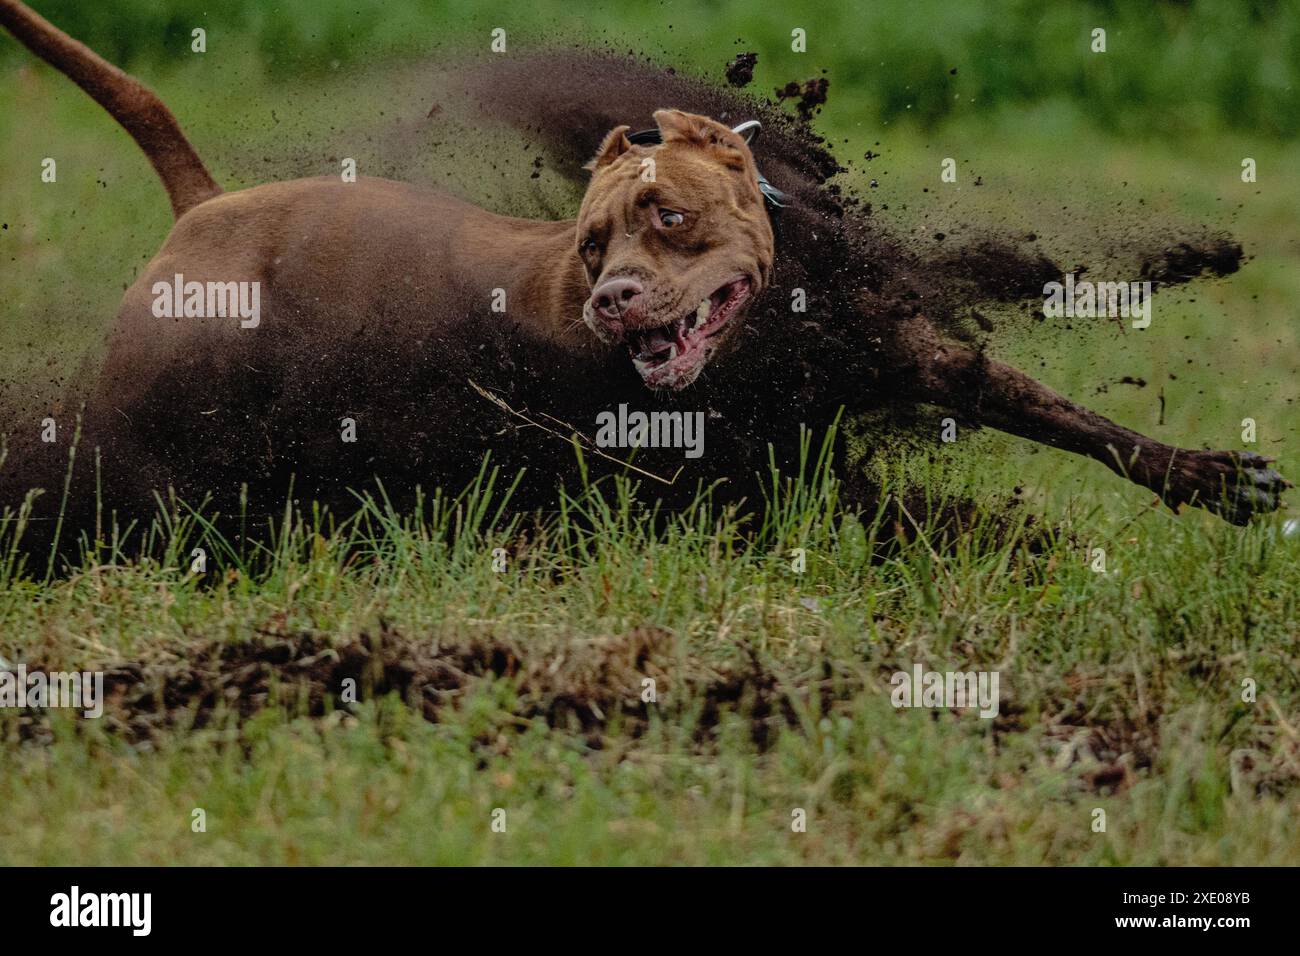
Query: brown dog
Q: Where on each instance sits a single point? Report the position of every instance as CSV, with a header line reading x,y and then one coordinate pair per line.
x,y
671,247
665,267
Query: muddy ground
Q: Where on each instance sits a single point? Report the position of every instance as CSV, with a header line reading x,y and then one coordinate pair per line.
x,y
592,687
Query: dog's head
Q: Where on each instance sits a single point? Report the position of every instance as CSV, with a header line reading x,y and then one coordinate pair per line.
x,y
676,242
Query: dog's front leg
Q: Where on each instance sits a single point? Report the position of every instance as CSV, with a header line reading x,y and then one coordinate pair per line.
x,y
1234,485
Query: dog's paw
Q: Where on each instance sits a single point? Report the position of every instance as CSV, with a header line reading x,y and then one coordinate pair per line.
x,y
1235,485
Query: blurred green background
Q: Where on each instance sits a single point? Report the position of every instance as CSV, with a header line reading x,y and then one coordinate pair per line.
x,y
1170,66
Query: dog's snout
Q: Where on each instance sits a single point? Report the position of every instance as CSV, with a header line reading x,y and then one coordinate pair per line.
x,y
613,299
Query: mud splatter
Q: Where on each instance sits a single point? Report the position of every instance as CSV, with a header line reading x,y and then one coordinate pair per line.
x,y
1213,255
809,96
740,71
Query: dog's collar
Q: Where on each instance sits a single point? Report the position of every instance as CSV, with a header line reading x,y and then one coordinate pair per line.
x,y
773,199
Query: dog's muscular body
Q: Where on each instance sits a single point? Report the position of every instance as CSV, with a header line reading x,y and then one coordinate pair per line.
x,y
287,236
394,284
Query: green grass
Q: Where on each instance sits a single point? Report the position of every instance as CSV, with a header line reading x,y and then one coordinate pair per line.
x,y
1121,691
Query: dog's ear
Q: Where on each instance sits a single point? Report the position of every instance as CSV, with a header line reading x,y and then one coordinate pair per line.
x,y
727,147
614,145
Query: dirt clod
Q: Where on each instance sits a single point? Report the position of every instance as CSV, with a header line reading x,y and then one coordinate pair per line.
x,y
810,95
740,71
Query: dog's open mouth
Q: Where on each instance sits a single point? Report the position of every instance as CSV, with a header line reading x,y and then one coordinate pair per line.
x,y
673,354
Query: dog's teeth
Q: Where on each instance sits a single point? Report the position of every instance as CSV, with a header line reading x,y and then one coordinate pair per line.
x,y
702,313
672,352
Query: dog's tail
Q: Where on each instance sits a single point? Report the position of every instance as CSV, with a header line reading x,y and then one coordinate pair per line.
x,y
130,102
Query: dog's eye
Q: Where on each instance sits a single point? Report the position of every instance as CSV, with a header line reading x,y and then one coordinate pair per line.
x,y
670,218
588,247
